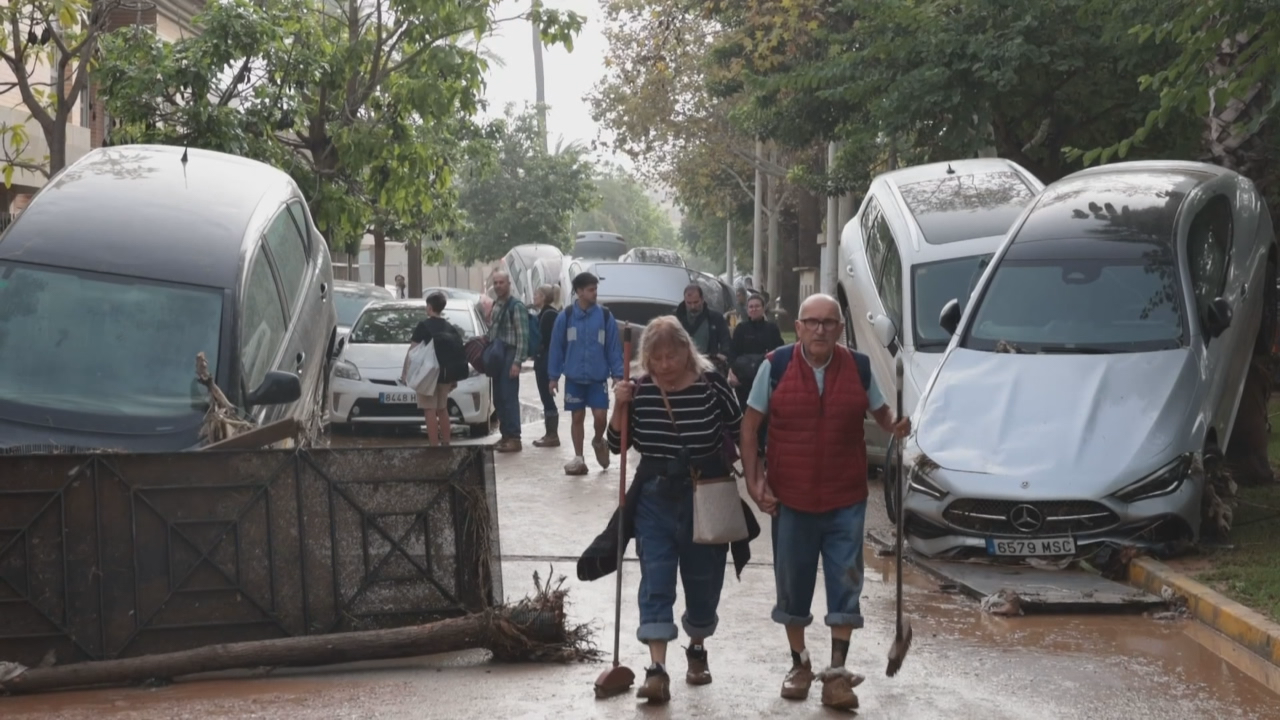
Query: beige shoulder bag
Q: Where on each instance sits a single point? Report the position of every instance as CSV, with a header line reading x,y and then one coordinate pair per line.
x,y
717,507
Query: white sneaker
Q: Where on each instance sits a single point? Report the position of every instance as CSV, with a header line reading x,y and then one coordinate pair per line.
x,y
576,466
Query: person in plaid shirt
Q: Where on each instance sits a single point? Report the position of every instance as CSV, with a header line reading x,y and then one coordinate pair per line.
x,y
509,323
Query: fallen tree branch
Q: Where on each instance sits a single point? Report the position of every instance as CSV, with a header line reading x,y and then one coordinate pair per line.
x,y
532,630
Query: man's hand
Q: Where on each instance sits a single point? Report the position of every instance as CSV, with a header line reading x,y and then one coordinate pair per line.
x,y
763,496
554,386
902,427
515,371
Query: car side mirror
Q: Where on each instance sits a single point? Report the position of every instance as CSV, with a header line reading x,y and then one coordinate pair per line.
x,y
886,332
1217,318
949,318
277,388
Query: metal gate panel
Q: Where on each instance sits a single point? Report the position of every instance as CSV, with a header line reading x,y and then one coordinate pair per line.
x,y
119,555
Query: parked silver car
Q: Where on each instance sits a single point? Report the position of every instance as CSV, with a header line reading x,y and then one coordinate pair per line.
x,y
1099,363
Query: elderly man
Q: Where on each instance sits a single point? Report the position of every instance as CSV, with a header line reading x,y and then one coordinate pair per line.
x,y
509,323
708,328
815,395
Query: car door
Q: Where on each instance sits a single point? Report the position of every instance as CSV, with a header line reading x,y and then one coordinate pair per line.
x,y
1209,258
305,349
864,265
264,328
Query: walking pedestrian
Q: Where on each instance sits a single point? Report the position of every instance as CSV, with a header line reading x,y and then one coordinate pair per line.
x,y
402,290
815,394
510,325
678,412
586,350
452,360
753,338
544,301
708,328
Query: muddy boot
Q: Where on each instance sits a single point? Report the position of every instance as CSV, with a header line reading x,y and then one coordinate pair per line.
x,y
552,438
795,686
657,686
699,672
509,444
837,688
602,452
576,466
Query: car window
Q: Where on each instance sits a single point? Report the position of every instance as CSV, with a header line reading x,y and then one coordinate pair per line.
x,y
874,235
1209,251
106,347
299,214
394,326
262,323
890,284
932,286
288,249
1081,295
349,303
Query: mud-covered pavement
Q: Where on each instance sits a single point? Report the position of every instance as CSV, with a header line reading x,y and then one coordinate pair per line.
x,y
963,664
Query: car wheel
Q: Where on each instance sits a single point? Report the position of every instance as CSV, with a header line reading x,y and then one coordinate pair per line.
x,y
889,478
314,434
1218,497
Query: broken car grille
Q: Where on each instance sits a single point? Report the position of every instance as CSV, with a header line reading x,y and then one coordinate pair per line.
x,y
1015,518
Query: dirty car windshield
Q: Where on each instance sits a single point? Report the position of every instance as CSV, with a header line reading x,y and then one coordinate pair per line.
x,y
933,285
349,303
104,348
1081,295
394,326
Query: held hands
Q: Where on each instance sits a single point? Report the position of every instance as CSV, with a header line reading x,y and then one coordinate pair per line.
x,y
762,495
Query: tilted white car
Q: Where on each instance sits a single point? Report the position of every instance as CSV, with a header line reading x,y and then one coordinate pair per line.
x,y
920,239
366,375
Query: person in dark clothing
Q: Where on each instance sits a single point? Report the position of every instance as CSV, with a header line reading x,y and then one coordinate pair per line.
x,y
543,300
453,368
708,328
753,338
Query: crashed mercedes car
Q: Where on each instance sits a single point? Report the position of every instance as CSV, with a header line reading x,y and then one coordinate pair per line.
x,y
1096,371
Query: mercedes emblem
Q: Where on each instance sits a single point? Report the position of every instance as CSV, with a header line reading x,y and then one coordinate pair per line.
x,y
1026,518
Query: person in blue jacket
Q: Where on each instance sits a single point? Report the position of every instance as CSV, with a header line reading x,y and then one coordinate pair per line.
x,y
587,351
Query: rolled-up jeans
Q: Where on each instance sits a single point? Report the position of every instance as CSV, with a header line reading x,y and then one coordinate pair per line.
x,y
799,539
664,542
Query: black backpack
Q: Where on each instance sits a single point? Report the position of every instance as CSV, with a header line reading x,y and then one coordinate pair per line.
x,y
447,340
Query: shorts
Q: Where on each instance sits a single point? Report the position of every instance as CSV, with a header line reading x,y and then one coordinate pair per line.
x,y
437,400
580,396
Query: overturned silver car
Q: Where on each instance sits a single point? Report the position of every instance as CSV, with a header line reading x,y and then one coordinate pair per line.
x,y
1097,368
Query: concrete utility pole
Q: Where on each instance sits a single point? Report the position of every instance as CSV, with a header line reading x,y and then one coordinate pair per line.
x,y
539,81
775,198
832,250
757,232
728,251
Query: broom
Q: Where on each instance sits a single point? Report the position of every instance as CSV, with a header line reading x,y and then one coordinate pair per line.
x,y
902,637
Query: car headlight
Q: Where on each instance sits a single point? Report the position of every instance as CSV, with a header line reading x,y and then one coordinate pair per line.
x,y
918,481
1164,481
346,370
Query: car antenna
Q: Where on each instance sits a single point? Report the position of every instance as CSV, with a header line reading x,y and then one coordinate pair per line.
x,y
950,170
185,186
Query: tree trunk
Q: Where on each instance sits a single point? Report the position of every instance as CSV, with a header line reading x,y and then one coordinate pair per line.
x,y
414,248
775,198
56,137
379,257
789,242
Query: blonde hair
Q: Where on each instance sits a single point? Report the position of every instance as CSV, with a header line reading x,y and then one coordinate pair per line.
x,y
548,294
666,331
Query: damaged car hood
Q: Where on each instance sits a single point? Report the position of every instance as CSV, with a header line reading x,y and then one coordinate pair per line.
x,y
1090,418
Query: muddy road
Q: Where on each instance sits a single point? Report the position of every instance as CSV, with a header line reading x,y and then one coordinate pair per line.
x,y
963,665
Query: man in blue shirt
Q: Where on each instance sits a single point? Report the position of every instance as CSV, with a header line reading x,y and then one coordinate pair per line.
x,y
586,349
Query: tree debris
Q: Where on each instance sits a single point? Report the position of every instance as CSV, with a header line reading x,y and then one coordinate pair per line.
x,y
1003,602
222,420
534,629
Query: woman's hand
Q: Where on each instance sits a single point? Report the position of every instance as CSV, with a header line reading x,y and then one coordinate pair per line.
x,y
763,495
623,392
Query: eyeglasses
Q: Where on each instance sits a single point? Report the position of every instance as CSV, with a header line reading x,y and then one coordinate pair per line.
x,y
827,324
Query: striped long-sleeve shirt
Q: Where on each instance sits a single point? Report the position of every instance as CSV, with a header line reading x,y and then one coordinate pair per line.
x,y
509,322
702,411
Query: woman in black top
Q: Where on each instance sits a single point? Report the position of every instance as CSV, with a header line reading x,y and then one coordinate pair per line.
x,y
703,406
543,300
435,406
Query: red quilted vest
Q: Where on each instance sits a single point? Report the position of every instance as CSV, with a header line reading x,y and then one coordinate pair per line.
x,y
816,448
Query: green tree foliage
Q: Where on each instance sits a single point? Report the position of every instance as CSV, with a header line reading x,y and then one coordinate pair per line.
x,y
943,78
369,104
625,208
521,194
40,41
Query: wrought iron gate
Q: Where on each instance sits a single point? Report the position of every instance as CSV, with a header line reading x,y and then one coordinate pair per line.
x,y
119,555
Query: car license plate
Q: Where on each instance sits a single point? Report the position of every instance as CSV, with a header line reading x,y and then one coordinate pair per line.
x,y
394,398
1031,547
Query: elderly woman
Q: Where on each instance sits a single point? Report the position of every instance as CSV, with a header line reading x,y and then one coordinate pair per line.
x,y
678,412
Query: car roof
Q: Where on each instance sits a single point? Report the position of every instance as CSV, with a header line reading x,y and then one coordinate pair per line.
x,y
139,211
1141,198
359,287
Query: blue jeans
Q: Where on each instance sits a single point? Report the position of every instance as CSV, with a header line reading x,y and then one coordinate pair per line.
x,y
798,539
506,398
549,409
664,542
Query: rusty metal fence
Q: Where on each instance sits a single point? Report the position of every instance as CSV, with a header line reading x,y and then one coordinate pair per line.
x,y
118,555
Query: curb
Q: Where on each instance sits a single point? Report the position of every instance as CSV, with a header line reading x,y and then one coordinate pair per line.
x,y
1246,628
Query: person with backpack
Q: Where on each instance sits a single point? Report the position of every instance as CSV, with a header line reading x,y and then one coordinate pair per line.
x,y
508,338
815,395
543,320
447,339
586,348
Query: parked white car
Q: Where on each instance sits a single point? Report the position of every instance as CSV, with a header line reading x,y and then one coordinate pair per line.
x,y
366,375
921,238
350,298
634,292
1093,382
